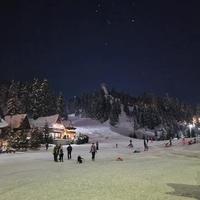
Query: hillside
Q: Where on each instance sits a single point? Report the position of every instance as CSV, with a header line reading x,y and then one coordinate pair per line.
x,y
162,116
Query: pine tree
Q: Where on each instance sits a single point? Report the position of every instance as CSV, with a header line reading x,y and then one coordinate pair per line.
x,y
61,106
35,107
102,107
13,100
36,138
4,88
44,100
198,110
24,102
115,111
18,140
52,104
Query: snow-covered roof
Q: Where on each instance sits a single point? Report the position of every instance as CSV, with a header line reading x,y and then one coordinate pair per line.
x,y
42,121
15,121
3,123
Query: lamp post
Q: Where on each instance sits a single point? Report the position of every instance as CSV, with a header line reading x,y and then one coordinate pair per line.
x,y
191,126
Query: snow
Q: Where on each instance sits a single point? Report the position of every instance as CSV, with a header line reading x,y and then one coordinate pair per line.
x,y
142,176
95,129
103,86
41,121
3,123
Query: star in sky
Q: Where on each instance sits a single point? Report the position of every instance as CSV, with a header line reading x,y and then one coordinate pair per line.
x,y
132,20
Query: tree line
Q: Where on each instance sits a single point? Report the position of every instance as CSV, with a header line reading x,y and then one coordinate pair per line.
x,y
147,110
34,98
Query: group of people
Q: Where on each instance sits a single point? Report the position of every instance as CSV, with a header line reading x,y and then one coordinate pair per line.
x,y
58,153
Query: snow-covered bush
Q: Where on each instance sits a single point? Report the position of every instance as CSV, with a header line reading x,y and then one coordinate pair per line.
x,y
18,140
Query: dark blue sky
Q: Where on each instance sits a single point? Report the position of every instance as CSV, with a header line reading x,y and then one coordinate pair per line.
x,y
137,46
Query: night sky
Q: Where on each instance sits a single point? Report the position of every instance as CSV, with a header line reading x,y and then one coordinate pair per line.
x,y
136,46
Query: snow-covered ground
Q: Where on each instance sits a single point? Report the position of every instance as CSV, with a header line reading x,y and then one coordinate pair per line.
x,y
160,174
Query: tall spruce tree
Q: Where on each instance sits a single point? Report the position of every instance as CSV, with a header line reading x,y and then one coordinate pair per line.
x,y
35,107
44,100
115,111
61,106
36,138
4,88
24,102
13,100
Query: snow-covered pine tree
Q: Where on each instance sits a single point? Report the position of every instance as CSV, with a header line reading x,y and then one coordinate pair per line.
x,y
44,100
102,106
52,104
4,88
115,111
35,107
18,140
126,109
13,100
36,138
24,103
61,106
198,110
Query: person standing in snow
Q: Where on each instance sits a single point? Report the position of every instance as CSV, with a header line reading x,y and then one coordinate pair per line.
x,y
47,146
97,145
69,152
147,139
145,144
93,151
55,153
170,141
130,144
61,154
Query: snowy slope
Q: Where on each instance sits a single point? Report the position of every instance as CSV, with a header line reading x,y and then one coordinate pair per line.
x,y
125,125
95,130
104,132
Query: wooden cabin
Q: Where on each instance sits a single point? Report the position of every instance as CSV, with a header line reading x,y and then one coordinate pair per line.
x,y
18,122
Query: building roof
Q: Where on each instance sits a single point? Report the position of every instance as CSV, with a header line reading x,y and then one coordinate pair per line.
x,y
42,121
3,123
16,121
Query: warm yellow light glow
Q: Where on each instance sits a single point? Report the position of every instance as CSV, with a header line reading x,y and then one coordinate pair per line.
x,y
58,126
64,132
194,120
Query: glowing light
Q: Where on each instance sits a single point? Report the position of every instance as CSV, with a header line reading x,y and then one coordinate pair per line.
x,y
194,120
191,126
58,126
